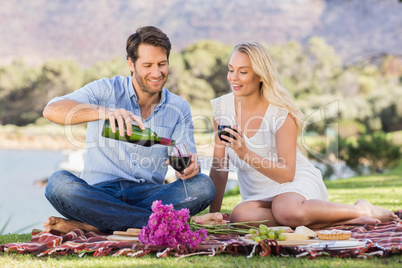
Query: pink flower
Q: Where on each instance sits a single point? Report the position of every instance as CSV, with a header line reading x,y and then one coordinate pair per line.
x,y
169,228
153,222
194,239
183,214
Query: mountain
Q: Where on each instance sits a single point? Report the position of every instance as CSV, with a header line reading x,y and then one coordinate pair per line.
x,y
90,31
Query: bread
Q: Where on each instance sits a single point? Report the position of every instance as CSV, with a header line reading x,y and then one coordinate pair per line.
x,y
334,234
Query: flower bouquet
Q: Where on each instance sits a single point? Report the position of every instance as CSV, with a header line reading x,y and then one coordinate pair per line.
x,y
169,228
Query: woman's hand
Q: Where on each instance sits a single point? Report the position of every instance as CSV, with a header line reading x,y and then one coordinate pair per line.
x,y
238,144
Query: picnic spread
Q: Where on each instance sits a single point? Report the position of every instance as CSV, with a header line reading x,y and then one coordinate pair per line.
x,y
366,241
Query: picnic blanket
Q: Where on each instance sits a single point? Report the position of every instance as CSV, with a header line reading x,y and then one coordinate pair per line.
x,y
380,240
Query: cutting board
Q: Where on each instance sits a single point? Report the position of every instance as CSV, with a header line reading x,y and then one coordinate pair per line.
x,y
308,242
123,238
295,243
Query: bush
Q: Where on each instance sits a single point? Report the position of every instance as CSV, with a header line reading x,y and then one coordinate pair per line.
x,y
375,151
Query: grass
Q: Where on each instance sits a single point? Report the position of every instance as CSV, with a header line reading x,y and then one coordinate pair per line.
x,y
382,189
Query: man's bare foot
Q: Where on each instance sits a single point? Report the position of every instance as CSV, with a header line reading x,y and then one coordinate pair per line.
x,y
375,212
210,219
65,226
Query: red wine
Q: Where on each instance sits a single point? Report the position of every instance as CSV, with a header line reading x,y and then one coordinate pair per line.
x,y
179,163
222,131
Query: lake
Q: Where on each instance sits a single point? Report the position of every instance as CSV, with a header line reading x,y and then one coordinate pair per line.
x,y
21,200
24,202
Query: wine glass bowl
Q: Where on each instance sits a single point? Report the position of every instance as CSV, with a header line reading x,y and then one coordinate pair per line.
x,y
180,159
226,121
222,131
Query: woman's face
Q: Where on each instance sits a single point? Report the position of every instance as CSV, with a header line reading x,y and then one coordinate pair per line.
x,y
242,78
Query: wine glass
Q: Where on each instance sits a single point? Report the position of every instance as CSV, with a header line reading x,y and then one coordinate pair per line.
x,y
180,159
226,121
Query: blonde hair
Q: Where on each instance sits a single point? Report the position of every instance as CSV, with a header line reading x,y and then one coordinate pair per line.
x,y
271,87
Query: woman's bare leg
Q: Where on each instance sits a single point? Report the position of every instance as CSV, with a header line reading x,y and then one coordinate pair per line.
x,y
65,226
253,211
294,210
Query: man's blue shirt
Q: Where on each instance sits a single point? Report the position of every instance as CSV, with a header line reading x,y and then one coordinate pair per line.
x,y
108,159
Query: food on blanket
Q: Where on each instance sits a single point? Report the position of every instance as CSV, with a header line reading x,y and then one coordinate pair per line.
x,y
285,229
281,237
252,231
295,237
263,232
334,234
305,231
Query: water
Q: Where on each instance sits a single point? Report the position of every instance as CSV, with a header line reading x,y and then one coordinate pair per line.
x,y
24,202
20,199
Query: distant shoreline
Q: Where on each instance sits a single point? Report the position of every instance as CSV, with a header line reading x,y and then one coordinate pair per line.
x,y
50,142
36,142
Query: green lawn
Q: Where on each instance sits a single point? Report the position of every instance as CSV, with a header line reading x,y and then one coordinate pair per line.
x,y
383,190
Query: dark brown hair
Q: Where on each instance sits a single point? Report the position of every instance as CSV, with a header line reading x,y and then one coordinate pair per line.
x,y
148,35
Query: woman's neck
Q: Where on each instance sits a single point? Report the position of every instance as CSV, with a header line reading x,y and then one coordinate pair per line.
x,y
250,102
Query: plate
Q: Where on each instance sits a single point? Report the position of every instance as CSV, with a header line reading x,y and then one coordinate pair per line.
x,y
336,244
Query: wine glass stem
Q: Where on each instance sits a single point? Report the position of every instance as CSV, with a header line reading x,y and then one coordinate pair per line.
x,y
226,166
185,188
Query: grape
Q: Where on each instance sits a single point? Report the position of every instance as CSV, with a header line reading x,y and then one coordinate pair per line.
x,y
271,235
263,226
252,231
262,231
280,230
263,237
256,238
281,237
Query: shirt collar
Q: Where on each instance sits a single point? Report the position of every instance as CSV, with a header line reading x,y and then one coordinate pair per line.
x,y
131,88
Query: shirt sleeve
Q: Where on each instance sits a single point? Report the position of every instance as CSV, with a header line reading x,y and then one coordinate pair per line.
x,y
95,92
216,108
280,117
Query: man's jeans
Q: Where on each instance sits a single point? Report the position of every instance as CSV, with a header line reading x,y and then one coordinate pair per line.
x,y
122,204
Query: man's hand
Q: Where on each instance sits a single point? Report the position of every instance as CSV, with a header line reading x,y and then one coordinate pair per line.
x,y
192,170
123,117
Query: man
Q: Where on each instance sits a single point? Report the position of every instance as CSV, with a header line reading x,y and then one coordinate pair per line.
x,y
120,180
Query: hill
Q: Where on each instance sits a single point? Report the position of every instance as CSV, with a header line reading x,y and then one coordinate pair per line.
x,y
90,31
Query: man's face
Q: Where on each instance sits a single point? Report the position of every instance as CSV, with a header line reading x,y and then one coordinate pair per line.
x,y
150,71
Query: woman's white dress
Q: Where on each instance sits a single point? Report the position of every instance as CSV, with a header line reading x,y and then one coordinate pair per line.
x,y
256,186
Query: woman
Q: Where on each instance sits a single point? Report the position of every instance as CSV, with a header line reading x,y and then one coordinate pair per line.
x,y
277,182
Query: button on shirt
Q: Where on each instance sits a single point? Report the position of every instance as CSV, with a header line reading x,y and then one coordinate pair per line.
x,y
108,159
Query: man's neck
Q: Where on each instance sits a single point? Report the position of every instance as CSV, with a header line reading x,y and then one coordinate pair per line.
x,y
147,102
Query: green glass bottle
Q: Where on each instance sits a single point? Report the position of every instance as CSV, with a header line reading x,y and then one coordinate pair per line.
x,y
146,137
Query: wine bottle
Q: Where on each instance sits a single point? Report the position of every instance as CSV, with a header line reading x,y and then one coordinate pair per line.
x,y
146,137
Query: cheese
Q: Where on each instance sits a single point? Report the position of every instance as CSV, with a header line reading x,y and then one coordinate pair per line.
x,y
295,237
305,231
